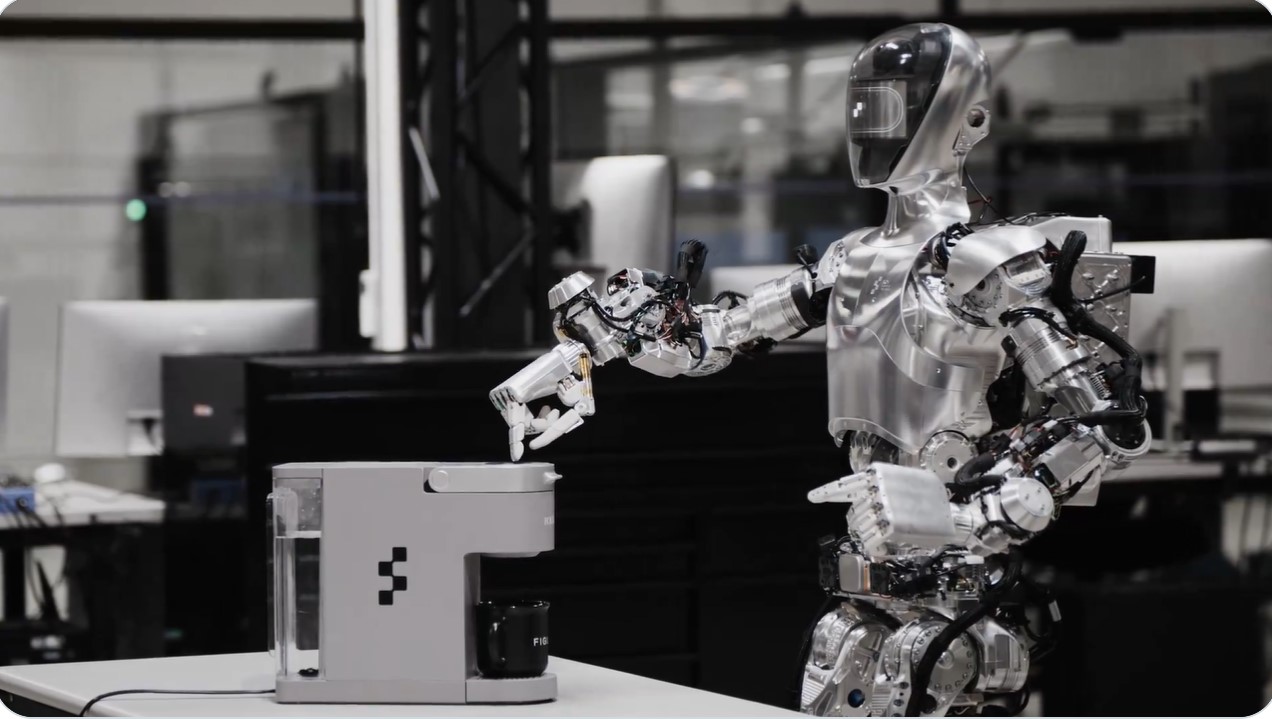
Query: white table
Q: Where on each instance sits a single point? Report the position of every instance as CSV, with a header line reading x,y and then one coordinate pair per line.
x,y
69,512
71,503
584,690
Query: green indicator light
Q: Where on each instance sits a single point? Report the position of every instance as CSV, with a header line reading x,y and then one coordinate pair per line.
x,y
135,210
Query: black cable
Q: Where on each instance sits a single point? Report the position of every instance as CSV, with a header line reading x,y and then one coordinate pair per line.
x,y
736,297
84,712
962,491
991,599
985,201
1132,407
1011,317
609,321
979,464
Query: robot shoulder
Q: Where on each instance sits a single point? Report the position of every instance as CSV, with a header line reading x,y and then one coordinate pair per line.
x,y
829,264
976,255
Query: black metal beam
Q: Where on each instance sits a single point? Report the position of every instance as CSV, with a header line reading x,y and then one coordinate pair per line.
x,y
831,27
789,28
132,28
410,33
539,146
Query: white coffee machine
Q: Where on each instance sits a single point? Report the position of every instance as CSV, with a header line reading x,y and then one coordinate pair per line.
x,y
397,551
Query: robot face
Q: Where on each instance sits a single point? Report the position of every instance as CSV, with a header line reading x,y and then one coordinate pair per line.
x,y
892,82
909,93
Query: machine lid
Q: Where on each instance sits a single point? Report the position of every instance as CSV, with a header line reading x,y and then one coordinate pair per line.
x,y
488,477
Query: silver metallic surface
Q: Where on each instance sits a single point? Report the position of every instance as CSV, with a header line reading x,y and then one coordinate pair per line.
x,y
936,151
954,671
899,509
1073,461
1005,660
1043,352
854,574
981,253
1100,273
945,453
1027,503
569,288
888,329
1098,230
840,671
773,309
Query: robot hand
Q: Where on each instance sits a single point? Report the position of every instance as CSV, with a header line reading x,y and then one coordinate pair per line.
x,y
895,509
565,369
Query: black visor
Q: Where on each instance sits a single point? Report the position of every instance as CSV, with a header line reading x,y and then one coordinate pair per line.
x,y
891,85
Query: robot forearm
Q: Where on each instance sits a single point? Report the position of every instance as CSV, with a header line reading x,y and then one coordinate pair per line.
x,y
777,310
1053,460
1021,494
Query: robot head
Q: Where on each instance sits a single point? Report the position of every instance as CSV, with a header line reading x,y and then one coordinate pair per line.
x,y
917,102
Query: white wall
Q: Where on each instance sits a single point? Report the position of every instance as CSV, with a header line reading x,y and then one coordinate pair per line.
x,y
69,126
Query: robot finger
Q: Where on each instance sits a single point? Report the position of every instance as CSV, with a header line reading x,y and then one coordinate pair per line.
x,y
570,392
547,416
565,423
515,413
516,438
862,521
841,490
874,545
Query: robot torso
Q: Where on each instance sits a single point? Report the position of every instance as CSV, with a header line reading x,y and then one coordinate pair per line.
x,y
901,365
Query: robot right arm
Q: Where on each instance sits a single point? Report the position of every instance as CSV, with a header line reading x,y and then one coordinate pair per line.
x,y
648,319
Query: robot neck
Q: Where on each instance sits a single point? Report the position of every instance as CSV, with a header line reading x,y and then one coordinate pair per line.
x,y
939,203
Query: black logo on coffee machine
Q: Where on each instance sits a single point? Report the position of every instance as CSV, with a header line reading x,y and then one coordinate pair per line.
x,y
399,583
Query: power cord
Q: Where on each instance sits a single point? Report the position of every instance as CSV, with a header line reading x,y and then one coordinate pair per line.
x,y
84,712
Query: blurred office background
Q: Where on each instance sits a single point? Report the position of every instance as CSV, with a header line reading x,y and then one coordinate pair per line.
x,y
179,150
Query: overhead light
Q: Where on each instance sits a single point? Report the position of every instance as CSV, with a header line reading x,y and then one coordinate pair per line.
x,y
708,88
775,71
700,179
629,100
828,65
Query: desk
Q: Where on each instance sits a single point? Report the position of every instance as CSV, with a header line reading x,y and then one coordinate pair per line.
x,y
112,540
585,690
70,503
1155,467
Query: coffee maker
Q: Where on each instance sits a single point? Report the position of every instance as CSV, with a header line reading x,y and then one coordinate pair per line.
x,y
377,569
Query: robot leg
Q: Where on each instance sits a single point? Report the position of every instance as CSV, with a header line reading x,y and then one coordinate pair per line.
x,y
840,671
955,670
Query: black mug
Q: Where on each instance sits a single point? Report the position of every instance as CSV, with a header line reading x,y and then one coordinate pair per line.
x,y
512,639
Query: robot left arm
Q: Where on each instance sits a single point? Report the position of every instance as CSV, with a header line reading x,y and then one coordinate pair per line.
x,y
649,319
1090,420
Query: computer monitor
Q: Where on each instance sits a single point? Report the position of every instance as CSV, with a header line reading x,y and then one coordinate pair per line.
x,y
1220,294
108,399
627,208
1222,290
203,402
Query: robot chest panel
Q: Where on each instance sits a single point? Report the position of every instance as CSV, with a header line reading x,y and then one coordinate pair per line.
x,y
900,364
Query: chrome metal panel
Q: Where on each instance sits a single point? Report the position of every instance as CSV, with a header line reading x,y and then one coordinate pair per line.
x,y
977,255
900,365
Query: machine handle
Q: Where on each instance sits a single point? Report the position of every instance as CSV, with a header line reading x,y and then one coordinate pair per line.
x,y
492,642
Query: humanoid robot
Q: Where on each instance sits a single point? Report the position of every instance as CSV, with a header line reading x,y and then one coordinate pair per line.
x,y
974,391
